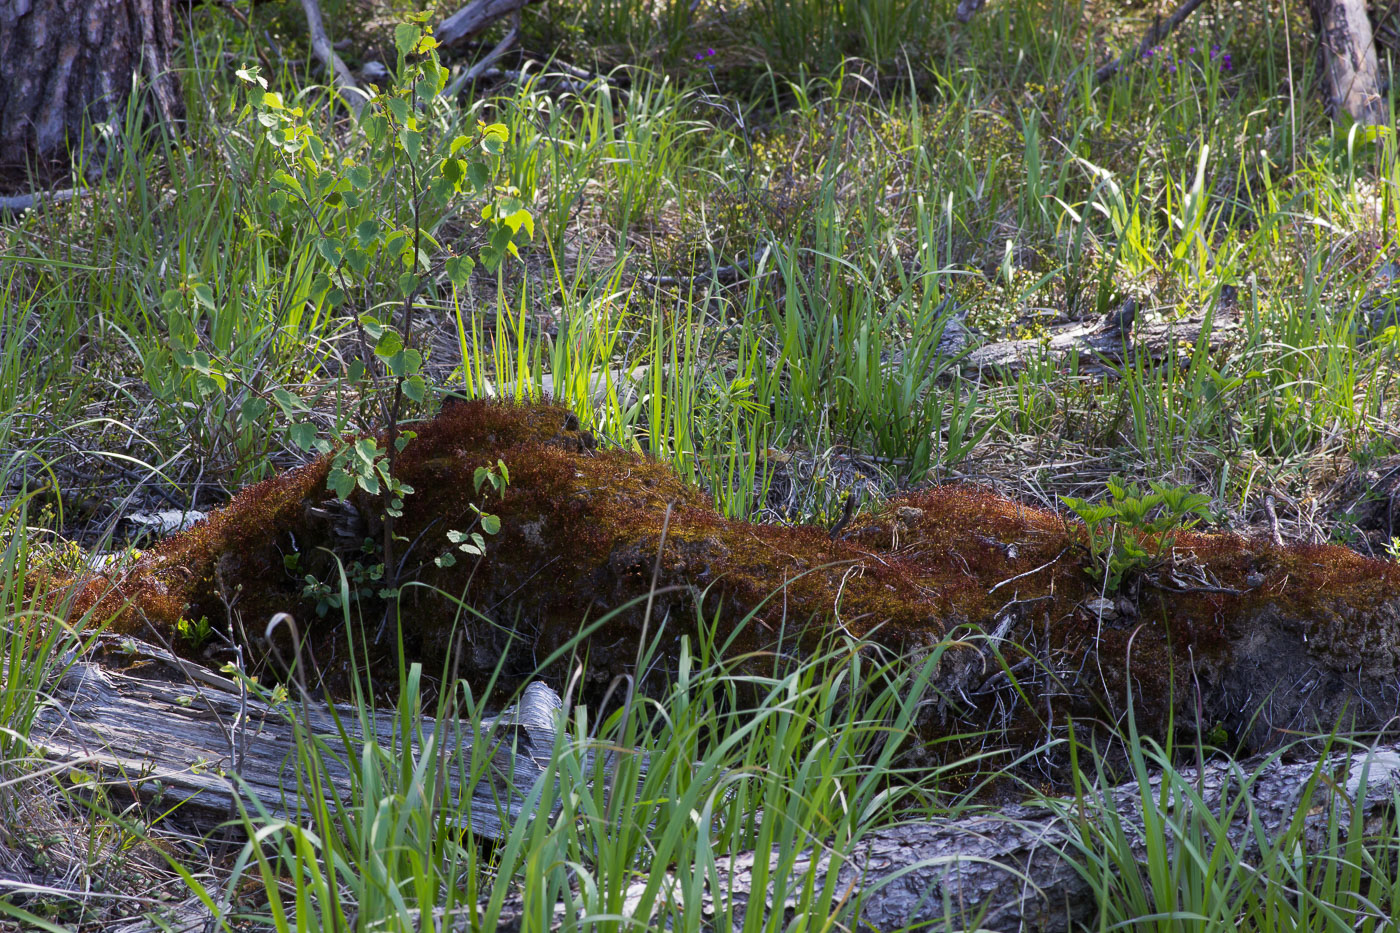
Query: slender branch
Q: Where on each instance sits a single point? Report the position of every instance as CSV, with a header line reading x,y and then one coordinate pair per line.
x,y
1159,31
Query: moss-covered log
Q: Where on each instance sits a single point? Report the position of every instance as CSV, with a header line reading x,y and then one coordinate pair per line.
x,y
1241,636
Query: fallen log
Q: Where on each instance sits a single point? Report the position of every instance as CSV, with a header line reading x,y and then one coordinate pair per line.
x,y
1014,867
206,745
1097,349
473,18
1213,631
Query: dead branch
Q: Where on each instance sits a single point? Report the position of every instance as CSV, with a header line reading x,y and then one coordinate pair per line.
x,y
344,83
473,18
18,203
1159,31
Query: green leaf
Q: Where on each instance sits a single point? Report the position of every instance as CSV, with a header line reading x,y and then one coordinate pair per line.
x,y
303,434
288,182
415,388
459,270
359,176
412,143
454,170
367,451
400,109
289,403
357,260
407,283
341,483
331,248
389,343
252,411
479,176
521,218
406,36
367,231
490,523
204,295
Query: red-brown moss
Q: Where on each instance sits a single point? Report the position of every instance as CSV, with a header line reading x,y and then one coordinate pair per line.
x,y
580,531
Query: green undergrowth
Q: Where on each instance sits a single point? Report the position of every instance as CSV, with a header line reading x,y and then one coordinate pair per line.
x,y
763,236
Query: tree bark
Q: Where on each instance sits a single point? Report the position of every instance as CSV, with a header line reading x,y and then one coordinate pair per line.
x,y
1350,72
67,66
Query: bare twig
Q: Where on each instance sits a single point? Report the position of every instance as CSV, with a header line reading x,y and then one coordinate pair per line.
x,y
1022,576
353,95
1273,521
1159,31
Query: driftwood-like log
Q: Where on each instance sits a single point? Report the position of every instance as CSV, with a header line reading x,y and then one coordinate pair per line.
x,y
1014,869
473,18
341,79
1098,348
1348,52
187,742
1258,640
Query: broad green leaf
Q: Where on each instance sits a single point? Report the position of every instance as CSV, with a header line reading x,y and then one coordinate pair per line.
x,y
367,231
303,434
341,483
359,176
291,405
406,36
459,270
389,343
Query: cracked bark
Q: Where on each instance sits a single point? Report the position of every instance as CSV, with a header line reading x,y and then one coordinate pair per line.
x,y
67,66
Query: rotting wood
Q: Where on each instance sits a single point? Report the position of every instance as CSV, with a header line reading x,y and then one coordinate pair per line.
x,y
1272,640
186,742
1161,28
341,79
1007,869
1348,56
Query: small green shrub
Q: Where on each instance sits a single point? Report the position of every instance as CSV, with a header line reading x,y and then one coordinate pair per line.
x,y
1129,532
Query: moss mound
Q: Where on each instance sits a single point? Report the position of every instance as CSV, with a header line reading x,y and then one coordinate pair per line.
x,y
1239,635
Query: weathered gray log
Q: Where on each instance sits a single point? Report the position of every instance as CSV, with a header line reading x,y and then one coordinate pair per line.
x,y
473,18
188,741
1348,51
1098,348
1010,867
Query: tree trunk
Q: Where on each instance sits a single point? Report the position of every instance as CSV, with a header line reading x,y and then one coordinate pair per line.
x,y
66,66
1349,60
